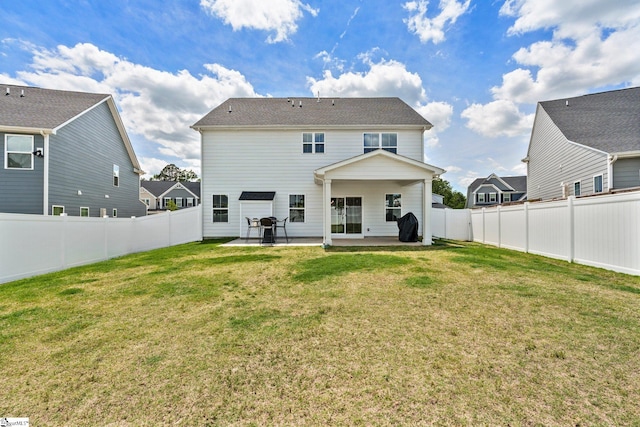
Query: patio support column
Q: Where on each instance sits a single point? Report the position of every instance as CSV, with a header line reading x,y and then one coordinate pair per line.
x,y
426,213
326,212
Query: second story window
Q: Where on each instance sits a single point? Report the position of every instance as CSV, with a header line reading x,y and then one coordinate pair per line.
x,y
116,176
313,142
18,151
386,141
597,184
576,188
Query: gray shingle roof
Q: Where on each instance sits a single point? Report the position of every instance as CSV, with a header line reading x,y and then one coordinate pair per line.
x,y
518,183
159,187
42,108
607,121
328,112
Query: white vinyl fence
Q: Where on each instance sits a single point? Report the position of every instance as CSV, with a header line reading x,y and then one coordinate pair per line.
x,y
454,224
601,231
36,244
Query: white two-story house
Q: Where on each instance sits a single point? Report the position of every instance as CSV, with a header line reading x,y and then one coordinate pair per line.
x,y
335,168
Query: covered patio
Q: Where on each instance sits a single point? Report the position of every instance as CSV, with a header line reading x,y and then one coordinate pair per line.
x,y
317,241
375,168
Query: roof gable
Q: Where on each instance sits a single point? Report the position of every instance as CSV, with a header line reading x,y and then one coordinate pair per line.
x,y
606,121
278,112
160,188
35,110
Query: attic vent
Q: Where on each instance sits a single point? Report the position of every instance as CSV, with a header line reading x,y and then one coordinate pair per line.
x,y
230,108
300,103
333,102
566,103
8,91
293,103
22,93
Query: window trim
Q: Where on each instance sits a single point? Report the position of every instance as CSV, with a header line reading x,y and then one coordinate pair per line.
x,y
164,202
214,208
190,202
116,175
481,198
313,143
179,204
7,152
504,197
88,211
601,183
53,209
147,201
579,192
493,197
387,208
303,208
114,213
380,136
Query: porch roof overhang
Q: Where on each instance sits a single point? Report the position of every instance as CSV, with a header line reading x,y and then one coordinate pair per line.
x,y
378,165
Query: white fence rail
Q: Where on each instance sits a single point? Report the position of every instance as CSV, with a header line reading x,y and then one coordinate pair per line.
x,y
36,244
602,231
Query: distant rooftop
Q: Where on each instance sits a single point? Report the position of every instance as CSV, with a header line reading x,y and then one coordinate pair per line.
x,y
606,121
276,112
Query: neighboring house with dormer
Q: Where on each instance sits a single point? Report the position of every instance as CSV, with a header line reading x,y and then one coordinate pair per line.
x,y
156,195
495,190
335,168
65,152
585,145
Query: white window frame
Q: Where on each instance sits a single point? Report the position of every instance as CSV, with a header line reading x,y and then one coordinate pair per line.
x,y
53,210
87,215
380,145
481,198
7,152
114,213
506,197
493,197
579,187
147,201
314,143
165,202
179,202
190,201
388,208
601,183
296,208
214,208
116,176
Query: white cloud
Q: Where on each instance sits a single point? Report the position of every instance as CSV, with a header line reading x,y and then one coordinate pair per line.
x,y
589,49
279,16
497,118
387,78
158,105
432,29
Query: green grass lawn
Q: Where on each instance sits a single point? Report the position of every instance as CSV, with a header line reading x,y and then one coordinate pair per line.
x,y
199,334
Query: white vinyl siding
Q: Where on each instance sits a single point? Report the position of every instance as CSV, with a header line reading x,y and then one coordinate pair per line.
x,y
554,160
286,170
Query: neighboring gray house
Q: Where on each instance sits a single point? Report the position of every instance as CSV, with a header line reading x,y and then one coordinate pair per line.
x,y
496,190
585,145
336,168
157,194
65,152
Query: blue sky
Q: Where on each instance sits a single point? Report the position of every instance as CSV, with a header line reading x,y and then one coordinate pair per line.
x,y
475,69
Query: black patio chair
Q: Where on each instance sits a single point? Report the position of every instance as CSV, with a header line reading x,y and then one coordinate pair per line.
x,y
282,224
267,226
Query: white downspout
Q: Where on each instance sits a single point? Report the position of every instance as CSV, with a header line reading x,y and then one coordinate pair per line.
x,y
45,172
612,160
